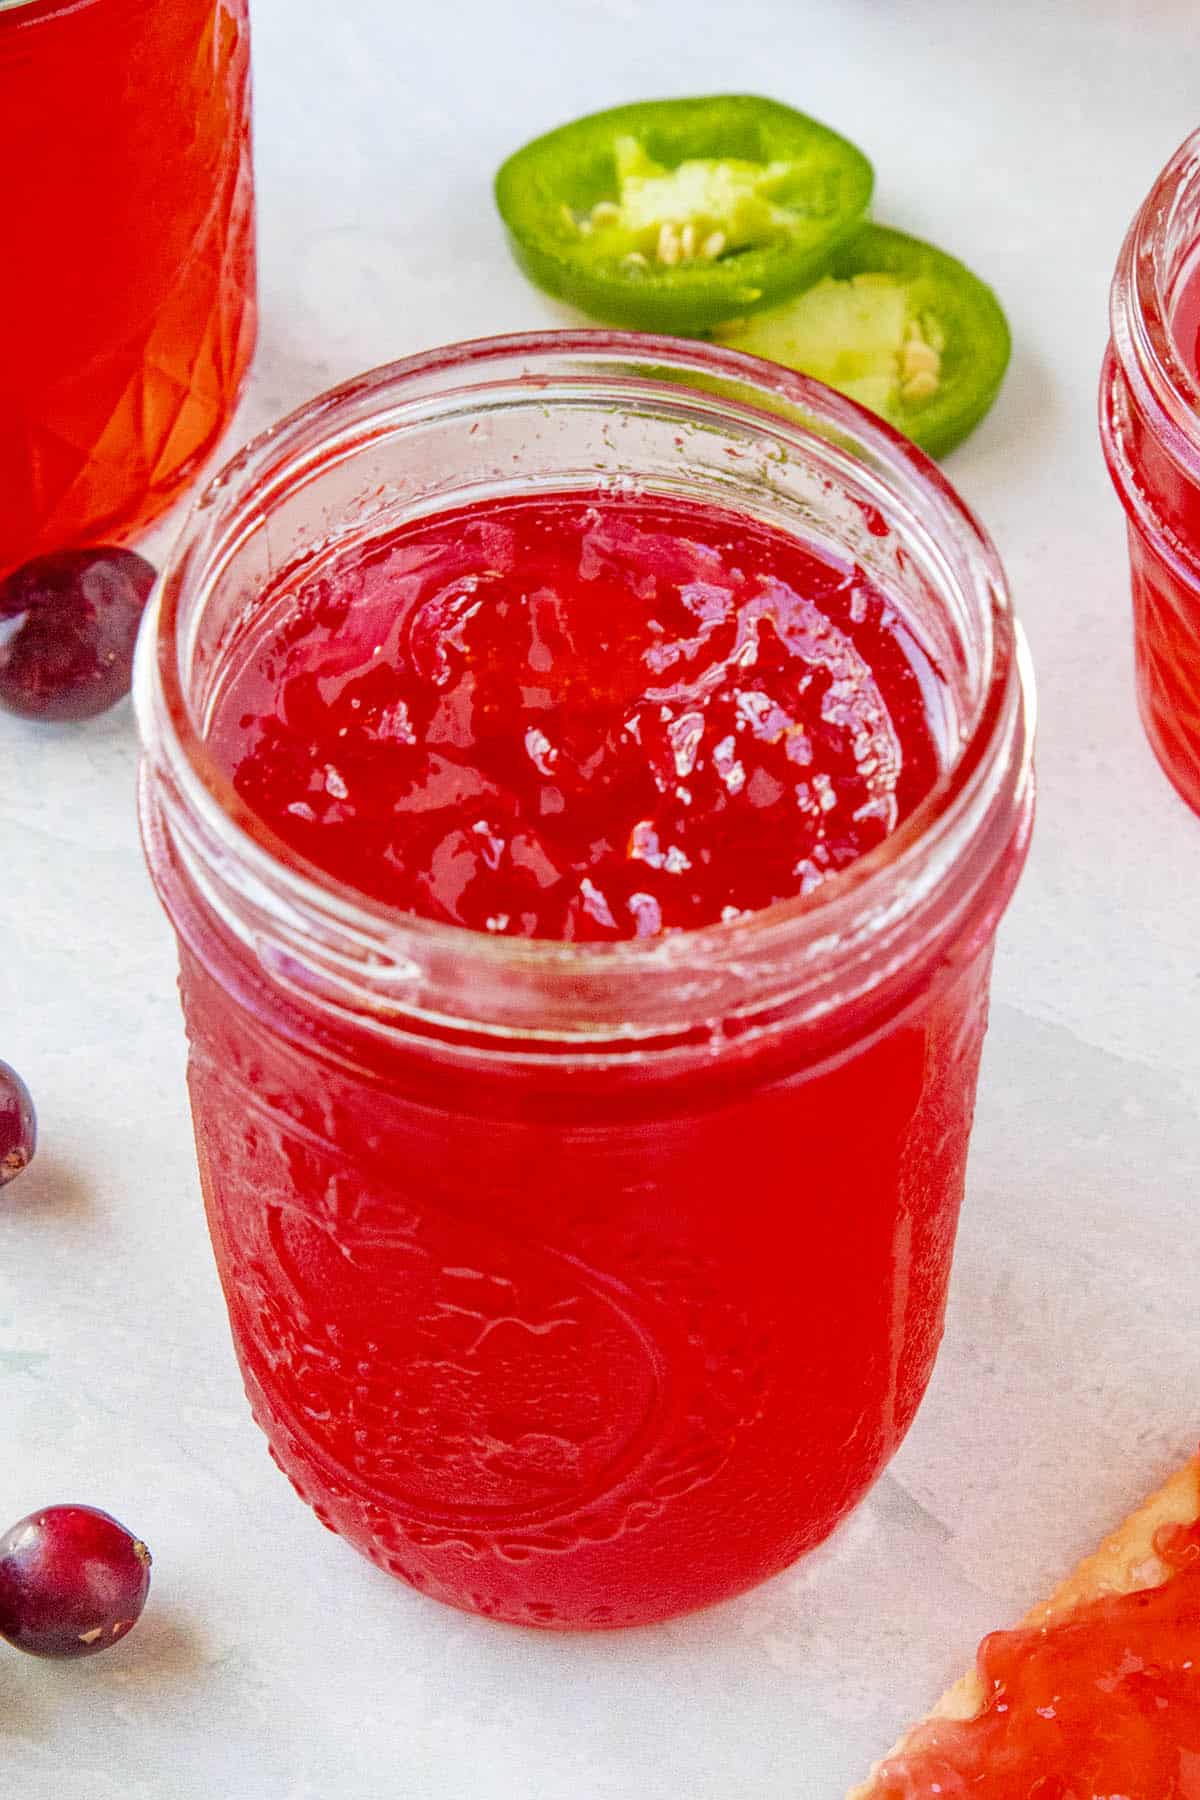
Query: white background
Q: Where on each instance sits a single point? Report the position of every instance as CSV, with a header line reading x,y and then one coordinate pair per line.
x,y
272,1663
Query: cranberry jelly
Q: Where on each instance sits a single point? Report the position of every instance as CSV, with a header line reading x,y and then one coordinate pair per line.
x,y
582,718
569,1355
585,905
1104,1701
127,311
1150,428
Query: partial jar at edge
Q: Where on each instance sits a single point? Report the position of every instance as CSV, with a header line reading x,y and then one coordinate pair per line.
x,y
127,313
1150,431
581,1286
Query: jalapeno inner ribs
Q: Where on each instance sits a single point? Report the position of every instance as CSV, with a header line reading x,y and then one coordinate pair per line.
x,y
898,326
674,214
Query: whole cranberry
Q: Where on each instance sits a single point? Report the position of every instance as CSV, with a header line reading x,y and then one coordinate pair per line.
x,y
18,1124
68,625
72,1582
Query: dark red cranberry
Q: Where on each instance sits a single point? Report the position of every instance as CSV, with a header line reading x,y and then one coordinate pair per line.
x,y
18,1124
72,1582
68,624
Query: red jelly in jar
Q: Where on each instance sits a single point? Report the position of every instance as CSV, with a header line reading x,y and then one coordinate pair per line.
x,y
127,302
585,795
581,717
1150,430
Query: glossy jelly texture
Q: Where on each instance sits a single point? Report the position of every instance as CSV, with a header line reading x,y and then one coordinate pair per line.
x,y
565,1341
581,717
127,310
1105,1702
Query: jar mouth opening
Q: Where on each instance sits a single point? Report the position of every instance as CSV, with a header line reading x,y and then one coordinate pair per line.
x,y
1160,251
773,399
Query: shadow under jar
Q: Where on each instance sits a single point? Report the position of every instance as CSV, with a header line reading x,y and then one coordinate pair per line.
x,y
127,308
584,1284
1150,431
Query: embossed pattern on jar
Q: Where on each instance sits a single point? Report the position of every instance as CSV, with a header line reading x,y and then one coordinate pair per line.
x,y
672,1385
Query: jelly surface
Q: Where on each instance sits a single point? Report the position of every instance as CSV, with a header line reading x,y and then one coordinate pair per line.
x,y
1105,1702
582,717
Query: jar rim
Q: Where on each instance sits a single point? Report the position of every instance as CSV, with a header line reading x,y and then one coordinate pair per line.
x,y
1143,292
1001,727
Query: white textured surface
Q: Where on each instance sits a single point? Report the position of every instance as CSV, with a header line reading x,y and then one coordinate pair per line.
x,y
273,1664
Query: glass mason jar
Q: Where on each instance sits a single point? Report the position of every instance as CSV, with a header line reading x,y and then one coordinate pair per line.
x,y
127,310
581,1285
1150,431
